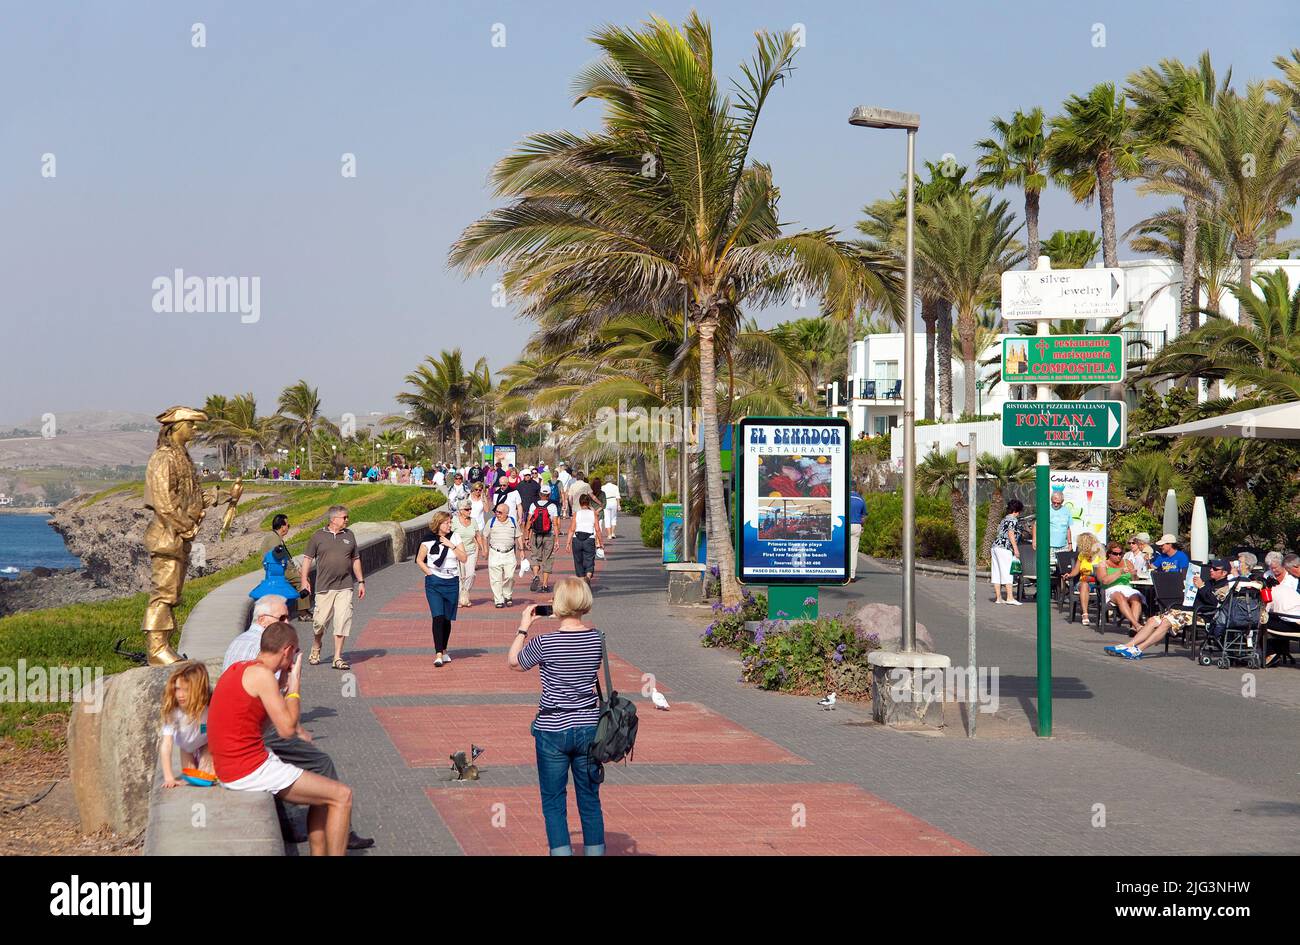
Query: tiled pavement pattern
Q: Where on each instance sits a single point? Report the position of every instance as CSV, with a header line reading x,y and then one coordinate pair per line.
x,y
735,765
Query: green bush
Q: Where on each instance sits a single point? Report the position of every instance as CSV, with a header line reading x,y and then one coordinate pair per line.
x,y
728,625
419,502
1125,525
828,654
652,522
631,505
935,538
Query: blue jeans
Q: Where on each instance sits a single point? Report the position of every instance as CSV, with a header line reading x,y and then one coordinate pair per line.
x,y
557,752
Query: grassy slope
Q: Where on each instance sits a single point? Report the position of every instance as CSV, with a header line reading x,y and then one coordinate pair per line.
x,y
84,634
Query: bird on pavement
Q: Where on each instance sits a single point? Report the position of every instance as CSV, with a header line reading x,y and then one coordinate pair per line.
x,y
658,699
828,703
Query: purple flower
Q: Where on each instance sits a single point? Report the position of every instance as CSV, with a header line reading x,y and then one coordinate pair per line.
x,y
708,631
782,614
841,648
759,634
837,656
873,638
713,569
810,602
717,606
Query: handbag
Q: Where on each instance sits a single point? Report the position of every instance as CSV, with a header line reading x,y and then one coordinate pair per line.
x,y
615,737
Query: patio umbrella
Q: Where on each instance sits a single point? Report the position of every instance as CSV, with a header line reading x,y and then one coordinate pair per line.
x,y
1279,422
1199,546
1171,513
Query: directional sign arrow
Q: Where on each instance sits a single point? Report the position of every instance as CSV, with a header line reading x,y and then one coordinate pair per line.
x,y
1114,285
1112,424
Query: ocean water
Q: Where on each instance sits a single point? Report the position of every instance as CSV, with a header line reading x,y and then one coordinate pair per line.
x,y
27,541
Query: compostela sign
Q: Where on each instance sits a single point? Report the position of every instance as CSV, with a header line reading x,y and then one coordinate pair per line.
x,y
1063,425
1063,359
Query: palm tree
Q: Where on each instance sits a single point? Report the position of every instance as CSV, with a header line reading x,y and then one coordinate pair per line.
x,y
1242,154
1071,249
1287,88
964,244
821,342
211,432
662,211
940,474
1016,157
1163,98
1092,146
444,393
300,417
1259,354
243,428
1145,479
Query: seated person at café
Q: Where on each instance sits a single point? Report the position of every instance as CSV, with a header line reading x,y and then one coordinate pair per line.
x,y
1088,560
1139,555
1208,596
1283,606
1171,557
1115,579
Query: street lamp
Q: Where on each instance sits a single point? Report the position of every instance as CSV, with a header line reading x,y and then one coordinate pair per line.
x,y
870,117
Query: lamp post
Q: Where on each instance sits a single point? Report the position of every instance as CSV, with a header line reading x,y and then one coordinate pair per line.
x,y
979,391
871,117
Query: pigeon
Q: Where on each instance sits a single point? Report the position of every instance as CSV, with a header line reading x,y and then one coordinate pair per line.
x,y
658,699
828,704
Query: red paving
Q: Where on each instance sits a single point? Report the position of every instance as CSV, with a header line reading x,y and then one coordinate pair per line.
x,y
399,674
698,819
687,734
406,632
414,602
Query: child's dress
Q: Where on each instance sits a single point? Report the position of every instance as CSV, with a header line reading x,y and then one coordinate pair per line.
x,y
190,736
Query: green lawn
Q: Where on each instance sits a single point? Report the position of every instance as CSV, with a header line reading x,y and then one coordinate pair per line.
x,y
84,634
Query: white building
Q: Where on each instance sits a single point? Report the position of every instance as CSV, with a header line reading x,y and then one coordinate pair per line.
x,y
876,384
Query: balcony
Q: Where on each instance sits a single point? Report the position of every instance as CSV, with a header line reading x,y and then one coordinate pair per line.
x,y
879,390
1142,345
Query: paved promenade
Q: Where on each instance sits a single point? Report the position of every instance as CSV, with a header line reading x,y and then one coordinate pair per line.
x,y
733,770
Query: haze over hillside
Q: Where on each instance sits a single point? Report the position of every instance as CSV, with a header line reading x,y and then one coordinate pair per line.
x,y
82,438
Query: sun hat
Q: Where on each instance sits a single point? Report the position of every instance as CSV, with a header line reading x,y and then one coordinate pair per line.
x,y
1143,537
1167,539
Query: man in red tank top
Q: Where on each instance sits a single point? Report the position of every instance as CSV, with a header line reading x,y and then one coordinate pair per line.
x,y
245,697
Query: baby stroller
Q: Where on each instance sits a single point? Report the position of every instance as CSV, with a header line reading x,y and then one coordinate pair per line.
x,y
1231,634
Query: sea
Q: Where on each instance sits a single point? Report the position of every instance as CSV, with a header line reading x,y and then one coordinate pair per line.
x,y
27,541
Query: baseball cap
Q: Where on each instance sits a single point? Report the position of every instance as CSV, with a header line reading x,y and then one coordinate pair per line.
x,y
1219,564
1143,537
1167,539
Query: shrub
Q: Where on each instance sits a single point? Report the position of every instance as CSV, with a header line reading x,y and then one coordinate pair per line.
x,y
652,522
419,502
728,627
828,654
935,538
631,505
1125,525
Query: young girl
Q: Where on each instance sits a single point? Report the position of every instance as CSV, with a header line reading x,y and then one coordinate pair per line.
x,y
185,720
1089,558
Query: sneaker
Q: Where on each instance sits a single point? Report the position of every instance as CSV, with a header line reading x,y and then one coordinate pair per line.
x,y
438,661
356,842
1112,650
1015,603
1085,620
536,583
1131,653
498,606
446,657
510,602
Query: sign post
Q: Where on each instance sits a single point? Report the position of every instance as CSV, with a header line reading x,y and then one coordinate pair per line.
x,y
791,496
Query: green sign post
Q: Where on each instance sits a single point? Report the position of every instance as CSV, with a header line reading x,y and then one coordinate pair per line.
x,y
1063,359
1063,424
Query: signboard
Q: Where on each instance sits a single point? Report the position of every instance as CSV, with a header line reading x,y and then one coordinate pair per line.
x,y
792,500
1063,359
671,542
1063,424
487,453
1063,293
1085,497
505,455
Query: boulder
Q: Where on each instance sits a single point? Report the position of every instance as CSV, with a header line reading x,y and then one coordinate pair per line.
x,y
39,571
112,752
886,622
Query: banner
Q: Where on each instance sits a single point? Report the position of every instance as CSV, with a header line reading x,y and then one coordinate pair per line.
x,y
672,537
792,499
1086,497
505,455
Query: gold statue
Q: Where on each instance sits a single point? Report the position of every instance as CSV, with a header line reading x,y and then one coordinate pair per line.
x,y
173,493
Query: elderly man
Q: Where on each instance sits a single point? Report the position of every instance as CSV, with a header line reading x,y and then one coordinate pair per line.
x,y
1059,535
296,749
505,542
1208,595
458,493
1283,626
333,550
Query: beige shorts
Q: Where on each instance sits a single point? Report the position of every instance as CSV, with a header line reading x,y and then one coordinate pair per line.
x,y
333,607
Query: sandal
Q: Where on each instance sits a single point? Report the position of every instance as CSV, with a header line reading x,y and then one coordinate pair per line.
x,y
314,657
340,663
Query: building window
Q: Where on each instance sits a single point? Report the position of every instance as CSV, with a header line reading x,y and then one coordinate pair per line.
x,y
886,370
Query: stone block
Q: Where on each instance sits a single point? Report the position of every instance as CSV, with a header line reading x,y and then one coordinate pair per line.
x,y
903,688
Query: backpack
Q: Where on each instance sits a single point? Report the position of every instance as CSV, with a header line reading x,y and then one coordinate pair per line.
x,y
1239,611
541,520
555,492
615,737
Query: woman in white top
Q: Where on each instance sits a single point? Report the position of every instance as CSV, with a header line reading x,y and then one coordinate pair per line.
x,y
612,497
440,558
585,537
1139,557
478,505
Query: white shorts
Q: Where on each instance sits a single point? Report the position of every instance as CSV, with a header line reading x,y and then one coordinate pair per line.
x,y
1001,566
272,775
1123,590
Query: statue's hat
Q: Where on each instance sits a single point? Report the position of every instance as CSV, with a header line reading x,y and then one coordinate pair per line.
x,y
177,414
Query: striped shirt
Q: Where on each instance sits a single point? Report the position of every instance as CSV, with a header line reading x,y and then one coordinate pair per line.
x,y
569,661
501,535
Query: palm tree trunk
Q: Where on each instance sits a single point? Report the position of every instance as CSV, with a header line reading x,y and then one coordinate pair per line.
x,y
1187,295
929,315
944,331
996,506
966,331
1106,197
456,434
642,477
959,522
721,553
310,467
1031,225
663,469
1245,256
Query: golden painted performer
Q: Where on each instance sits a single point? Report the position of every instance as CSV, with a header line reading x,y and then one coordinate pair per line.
x,y
173,493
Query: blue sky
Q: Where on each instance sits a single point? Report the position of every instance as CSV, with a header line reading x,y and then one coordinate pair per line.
x,y
225,160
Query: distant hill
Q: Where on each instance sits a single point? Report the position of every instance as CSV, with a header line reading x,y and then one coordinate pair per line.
x,y
83,438
84,421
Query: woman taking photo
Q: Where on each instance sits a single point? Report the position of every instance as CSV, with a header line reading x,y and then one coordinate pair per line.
x,y
470,532
440,558
584,538
569,658
1006,549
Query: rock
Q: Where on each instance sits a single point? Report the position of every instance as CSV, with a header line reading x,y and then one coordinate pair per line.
x,y
112,752
886,621
39,571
